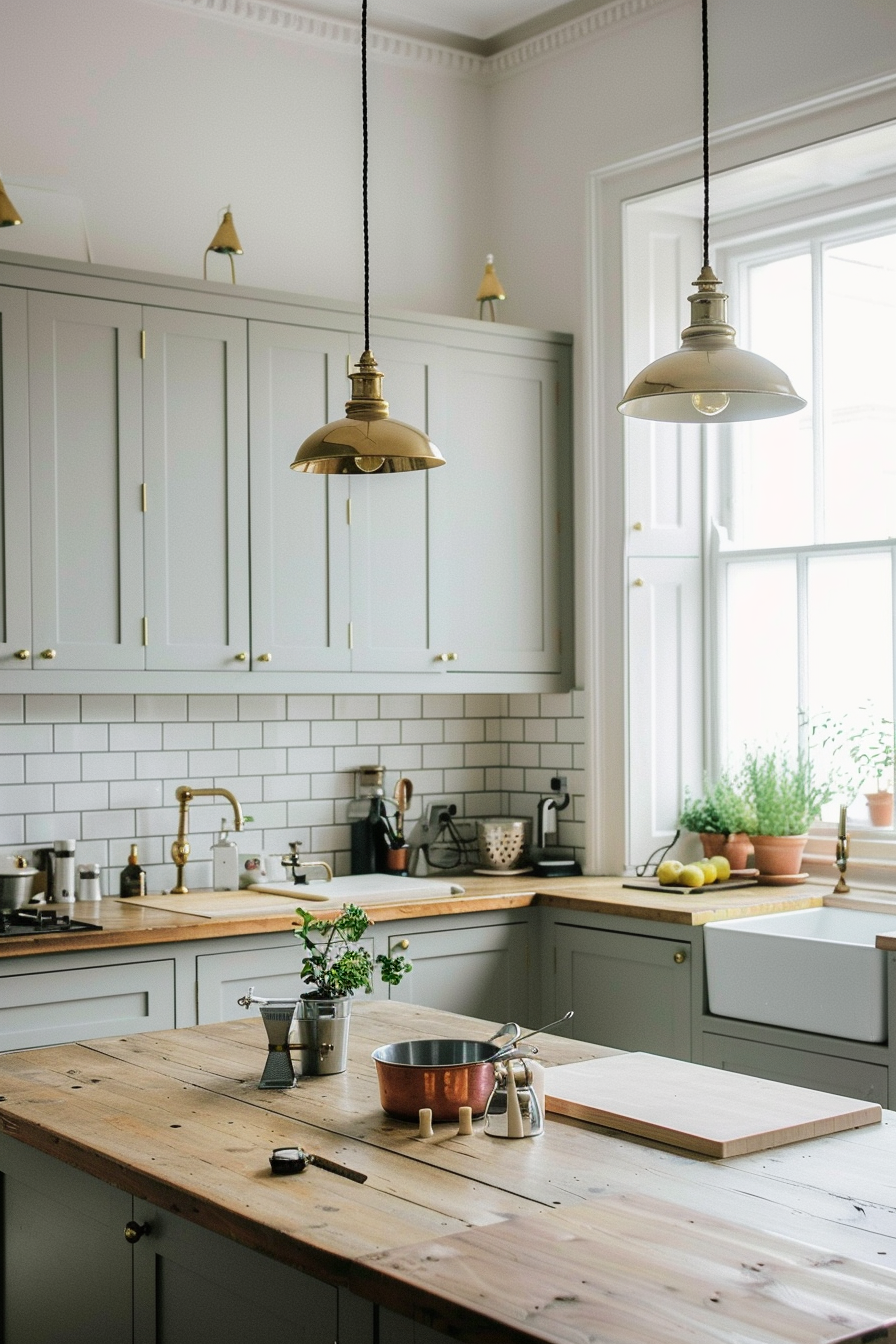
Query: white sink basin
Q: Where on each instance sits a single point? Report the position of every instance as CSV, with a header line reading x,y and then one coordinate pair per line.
x,y
814,970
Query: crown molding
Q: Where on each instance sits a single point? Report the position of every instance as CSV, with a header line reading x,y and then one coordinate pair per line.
x,y
280,19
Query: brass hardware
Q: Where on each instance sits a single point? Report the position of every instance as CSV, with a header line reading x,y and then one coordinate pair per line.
x,y
639,583
637,527
143,498
264,657
145,632
348,366
226,242
842,858
351,634
241,657
348,512
180,848
23,654
679,957
9,215
404,944
48,653
446,657
490,289
134,1231
143,345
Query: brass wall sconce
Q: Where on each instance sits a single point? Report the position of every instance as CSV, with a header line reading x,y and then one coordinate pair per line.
x,y
226,242
491,289
9,215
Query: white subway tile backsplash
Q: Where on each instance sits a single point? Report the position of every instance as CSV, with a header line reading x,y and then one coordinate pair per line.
x,y
52,768
107,708
485,706
443,755
443,706
213,763
464,730
261,707
309,760
333,786
92,797
400,706
262,761
12,830
108,765
160,708
163,765
464,781
422,730
15,798
378,732
289,733
212,708
333,733
12,710
557,755
570,730
25,737
311,813
482,753
309,706
194,736
52,708
541,730
12,770
326,839
556,706
135,737
405,758
355,706
135,793
81,737
352,758
524,753
278,788
523,706
42,828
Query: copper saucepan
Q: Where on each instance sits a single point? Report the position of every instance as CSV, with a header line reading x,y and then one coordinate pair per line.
x,y
442,1075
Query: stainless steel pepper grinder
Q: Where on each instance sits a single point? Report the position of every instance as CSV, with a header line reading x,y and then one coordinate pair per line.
x,y
515,1110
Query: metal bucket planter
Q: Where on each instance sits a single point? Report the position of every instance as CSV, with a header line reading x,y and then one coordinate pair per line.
x,y
322,1034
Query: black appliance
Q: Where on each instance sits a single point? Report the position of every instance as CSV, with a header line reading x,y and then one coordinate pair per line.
x,y
26,922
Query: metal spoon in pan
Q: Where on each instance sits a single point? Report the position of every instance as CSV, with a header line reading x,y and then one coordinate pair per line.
x,y
516,1033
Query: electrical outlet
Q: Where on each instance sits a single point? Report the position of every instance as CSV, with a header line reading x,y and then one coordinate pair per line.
x,y
431,821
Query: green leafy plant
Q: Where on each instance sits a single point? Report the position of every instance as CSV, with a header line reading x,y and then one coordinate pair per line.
x,y
336,966
722,811
782,793
872,749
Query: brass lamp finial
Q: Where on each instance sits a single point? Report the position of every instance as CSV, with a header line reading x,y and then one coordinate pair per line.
x,y
9,215
226,242
490,288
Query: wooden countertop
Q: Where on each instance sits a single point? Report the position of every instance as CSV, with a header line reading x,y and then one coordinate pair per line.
x,y
127,925
580,1234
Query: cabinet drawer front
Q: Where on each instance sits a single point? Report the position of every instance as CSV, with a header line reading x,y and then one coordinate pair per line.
x,y
52,1007
482,972
222,978
803,1068
627,991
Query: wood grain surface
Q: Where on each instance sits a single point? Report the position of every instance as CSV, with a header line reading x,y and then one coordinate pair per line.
x,y
703,1110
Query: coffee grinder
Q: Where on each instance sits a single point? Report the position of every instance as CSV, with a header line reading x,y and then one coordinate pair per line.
x,y
370,841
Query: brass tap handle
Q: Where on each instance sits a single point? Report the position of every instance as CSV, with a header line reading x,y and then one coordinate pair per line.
x,y
134,1231
180,849
23,654
48,653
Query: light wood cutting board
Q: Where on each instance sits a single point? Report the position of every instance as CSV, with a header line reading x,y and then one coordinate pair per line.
x,y
219,904
690,1106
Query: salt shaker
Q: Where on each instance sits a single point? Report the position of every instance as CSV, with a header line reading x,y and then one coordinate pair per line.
x,y
64,883
89,882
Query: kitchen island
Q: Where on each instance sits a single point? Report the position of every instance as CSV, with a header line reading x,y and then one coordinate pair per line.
x,y
580,1234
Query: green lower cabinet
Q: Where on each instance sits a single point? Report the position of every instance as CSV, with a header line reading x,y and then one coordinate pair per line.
x,y
481,971
628,991
803,1068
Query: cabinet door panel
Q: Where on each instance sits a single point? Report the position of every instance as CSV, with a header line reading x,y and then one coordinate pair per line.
x,y
195,409
390,534
627,991
15,530
494,520
52,1007
300,552
802,1068
86,473
481,971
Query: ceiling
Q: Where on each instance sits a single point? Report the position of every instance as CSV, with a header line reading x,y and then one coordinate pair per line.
x,y
481,26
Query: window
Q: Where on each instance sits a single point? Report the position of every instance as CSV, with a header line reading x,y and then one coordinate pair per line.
x,y
803,559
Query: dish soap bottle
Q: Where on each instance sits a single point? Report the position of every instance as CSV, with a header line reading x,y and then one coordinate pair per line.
x,y
133,877
225,862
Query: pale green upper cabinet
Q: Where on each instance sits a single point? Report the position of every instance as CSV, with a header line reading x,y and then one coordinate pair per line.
x,y
86,476
197,482
15,530
299,520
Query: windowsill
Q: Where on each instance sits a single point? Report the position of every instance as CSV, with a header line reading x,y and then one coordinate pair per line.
x,y
872,857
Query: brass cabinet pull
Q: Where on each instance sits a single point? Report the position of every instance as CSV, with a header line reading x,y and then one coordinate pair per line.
x,y
134,1231
264,657
637,527
23,654
639,583
48,653
679,957
241,657
404,944
446,658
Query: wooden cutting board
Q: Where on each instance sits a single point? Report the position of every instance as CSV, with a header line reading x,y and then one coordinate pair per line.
x,y
690,1106
673,889
219,904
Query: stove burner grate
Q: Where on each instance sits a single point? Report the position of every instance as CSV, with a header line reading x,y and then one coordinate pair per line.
x,y
39,920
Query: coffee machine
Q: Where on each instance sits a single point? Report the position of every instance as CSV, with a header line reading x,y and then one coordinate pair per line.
x,y
370,840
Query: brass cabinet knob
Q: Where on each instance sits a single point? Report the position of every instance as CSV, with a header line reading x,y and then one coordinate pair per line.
x,y
404,944
241,657
637,527
48,653
23,654
264,657
639,583
679,957
134,1231
446,658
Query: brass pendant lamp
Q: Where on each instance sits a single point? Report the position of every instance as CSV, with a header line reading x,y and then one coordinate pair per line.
x,y
226,242
366,441
708,377
9,215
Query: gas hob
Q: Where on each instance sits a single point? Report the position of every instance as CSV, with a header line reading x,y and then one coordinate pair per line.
x,y
26,922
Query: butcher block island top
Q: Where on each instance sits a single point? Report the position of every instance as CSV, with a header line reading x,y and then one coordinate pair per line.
x,y
578,1235
128,925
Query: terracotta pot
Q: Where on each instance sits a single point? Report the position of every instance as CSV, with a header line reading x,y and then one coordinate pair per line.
x,y
779,855
713,843
737,850
880,806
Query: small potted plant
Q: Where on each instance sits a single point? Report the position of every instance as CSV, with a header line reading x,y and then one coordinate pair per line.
x,y
785,800
336,966
723,821
872,751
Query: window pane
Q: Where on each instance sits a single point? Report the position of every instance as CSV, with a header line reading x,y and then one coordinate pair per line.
x,y
860,390
772,463
762,669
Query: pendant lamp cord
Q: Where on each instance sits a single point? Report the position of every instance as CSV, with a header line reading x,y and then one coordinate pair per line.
x,y
364,173
705,134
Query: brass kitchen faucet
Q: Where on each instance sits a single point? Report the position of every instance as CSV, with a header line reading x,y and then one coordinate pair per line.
x,y
180,849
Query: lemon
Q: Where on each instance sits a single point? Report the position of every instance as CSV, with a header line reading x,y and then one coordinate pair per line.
x,y
722,867
691,875
669,872
710,874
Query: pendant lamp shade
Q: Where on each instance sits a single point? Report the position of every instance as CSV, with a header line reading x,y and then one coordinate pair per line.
x,y
708,377
9,215
226,240
366,441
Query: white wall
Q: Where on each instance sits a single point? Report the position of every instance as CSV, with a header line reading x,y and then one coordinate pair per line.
x,y
157,117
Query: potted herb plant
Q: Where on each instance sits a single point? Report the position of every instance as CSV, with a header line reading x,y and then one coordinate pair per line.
x,y
722,819
872,750
336,966
784,799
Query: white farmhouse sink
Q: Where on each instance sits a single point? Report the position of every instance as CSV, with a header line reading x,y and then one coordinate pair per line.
x,y
814,970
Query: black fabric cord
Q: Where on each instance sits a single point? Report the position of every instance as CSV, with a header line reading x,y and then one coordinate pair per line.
x,y
705,134
364,172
